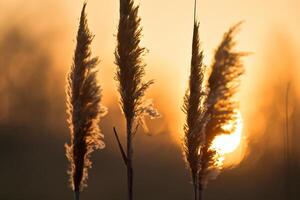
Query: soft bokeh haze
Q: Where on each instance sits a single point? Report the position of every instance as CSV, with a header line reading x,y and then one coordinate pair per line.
x,y
37,39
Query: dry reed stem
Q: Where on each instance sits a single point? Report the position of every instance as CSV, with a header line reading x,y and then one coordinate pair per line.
x,y
130,71
83,108
194,108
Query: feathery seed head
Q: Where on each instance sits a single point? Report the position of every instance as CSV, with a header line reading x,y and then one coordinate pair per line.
x,y
194,106
83,107
221,107
131,67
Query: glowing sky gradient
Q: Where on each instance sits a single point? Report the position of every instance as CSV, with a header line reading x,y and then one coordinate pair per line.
x,y
270,30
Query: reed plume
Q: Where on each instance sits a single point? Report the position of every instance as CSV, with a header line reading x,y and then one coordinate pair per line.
x,y
132,88
223,83
83,108
194,108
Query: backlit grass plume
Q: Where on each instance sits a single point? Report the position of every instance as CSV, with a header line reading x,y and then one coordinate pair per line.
x,y
129,74
84,109
223,83
194,108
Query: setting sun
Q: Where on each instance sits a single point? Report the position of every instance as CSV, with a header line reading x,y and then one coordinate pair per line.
x,y
143,100
228,143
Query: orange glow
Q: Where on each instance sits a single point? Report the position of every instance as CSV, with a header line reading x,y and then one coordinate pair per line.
x,y
168,36
227,143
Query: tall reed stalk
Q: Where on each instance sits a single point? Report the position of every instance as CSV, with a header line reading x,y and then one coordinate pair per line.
x,y
132,88
210,106
83,109
194,108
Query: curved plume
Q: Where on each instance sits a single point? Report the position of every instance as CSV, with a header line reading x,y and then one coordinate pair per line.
x,y
222,85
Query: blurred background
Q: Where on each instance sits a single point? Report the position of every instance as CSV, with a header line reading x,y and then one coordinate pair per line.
x,y
37,39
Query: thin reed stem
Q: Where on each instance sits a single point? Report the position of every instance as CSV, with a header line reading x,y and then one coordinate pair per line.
x,y
287,142
200,189
195,10
195,107
196,186
130,73
76,195
200,195
129,160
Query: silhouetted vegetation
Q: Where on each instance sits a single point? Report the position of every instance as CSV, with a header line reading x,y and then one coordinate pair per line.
x,y
209,109
194,108
84,110
129,74
33,130
223,83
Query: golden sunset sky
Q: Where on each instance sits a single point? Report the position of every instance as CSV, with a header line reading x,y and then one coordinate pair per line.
x,y
271,32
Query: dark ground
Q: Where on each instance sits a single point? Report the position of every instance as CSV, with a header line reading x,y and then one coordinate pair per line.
x,y
33,166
